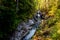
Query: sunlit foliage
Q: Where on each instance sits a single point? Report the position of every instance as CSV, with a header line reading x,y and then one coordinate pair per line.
x,y
51,8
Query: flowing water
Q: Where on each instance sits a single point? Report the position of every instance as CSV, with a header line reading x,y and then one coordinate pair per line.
x,y
26,29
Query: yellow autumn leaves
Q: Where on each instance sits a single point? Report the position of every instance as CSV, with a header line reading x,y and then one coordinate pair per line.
x,y
58,27
49,5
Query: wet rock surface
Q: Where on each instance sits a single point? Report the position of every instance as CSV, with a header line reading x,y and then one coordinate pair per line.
x,y
27,29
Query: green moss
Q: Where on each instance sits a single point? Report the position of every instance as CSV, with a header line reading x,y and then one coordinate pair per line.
x,y
10,17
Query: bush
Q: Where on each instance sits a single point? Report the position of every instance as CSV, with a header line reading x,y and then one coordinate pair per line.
x,y
10,17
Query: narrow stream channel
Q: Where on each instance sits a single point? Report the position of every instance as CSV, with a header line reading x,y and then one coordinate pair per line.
x,y
27,29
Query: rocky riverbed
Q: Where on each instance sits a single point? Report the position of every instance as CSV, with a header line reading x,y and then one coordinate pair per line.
x,y
27,29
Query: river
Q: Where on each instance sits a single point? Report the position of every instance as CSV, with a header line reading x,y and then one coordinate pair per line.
x,y
26,30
